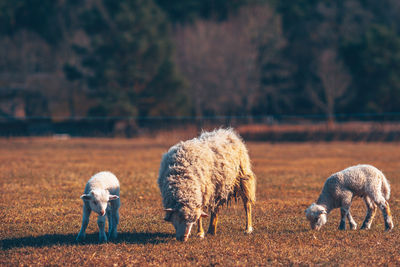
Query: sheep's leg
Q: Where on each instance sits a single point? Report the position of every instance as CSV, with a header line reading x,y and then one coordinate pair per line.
x,y
247,193
112,233
384,206
200,230
212,229
247,209
101,222
371,211
85,221
353,224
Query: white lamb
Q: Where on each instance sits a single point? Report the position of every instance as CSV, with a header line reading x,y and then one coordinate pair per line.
x,y
101,189
340,188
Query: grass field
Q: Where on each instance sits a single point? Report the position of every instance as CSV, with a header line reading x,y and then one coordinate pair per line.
x,y
41,180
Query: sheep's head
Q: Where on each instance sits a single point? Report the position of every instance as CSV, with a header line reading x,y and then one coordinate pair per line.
x,y
183,221
317,215
98,200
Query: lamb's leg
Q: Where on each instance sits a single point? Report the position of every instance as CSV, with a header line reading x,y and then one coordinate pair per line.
x,y
110,222
85,221
342,225
101,222
249,225
112,234
200,230
212,229
384,206
353,224
345,209
371,211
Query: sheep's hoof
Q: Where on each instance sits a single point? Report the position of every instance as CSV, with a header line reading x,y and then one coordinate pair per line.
x,y
249,231
389,226
200,235
212,231
353,227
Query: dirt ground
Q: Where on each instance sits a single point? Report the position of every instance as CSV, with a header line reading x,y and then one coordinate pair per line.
x,y
41,180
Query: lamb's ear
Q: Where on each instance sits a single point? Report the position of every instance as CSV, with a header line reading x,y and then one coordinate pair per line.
x,y
86,197
203,214
169,210
113,197
168,214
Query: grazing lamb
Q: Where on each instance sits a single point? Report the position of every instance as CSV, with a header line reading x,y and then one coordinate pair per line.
x,y
102,188
339,189
205,173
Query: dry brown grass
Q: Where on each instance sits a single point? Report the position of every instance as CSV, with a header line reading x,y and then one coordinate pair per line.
x,y
41,181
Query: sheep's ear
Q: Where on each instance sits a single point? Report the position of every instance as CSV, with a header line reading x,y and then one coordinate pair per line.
x,y
113,197
86,197
203,214
322,212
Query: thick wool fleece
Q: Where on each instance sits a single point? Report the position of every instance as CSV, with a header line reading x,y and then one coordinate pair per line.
x,y
103,181
361,180
206,172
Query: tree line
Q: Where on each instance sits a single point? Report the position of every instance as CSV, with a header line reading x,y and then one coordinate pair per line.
x,y
198,57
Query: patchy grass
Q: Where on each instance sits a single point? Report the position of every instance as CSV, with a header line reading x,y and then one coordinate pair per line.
x,y
41,180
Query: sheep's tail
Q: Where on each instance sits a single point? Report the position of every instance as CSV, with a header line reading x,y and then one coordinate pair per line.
x,y
248,187
385,187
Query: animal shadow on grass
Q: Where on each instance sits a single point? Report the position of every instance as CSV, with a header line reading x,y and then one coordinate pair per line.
x,y
69,239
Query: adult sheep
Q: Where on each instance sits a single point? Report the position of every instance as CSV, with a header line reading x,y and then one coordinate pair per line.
x,y
340,188
205,173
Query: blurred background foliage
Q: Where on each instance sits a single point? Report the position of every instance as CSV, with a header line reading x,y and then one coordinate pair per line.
x,y
198,57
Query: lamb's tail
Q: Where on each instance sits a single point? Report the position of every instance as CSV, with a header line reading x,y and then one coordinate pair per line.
x,y
385,187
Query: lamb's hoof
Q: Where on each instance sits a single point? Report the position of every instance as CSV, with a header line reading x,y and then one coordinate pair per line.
x,y
113,236
364,227
200,235
80,238
102,239
249,231
353,227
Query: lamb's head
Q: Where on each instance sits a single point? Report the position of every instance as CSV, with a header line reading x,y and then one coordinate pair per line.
x,y
317,216
183,220
98,200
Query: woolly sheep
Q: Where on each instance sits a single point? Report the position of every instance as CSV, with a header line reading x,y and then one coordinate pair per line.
x,y
101,195
205,173
339,189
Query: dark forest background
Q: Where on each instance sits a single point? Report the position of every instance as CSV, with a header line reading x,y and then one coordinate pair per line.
x,y
198,58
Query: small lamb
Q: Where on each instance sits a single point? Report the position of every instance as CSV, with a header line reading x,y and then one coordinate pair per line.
x,y
102,188
339,189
